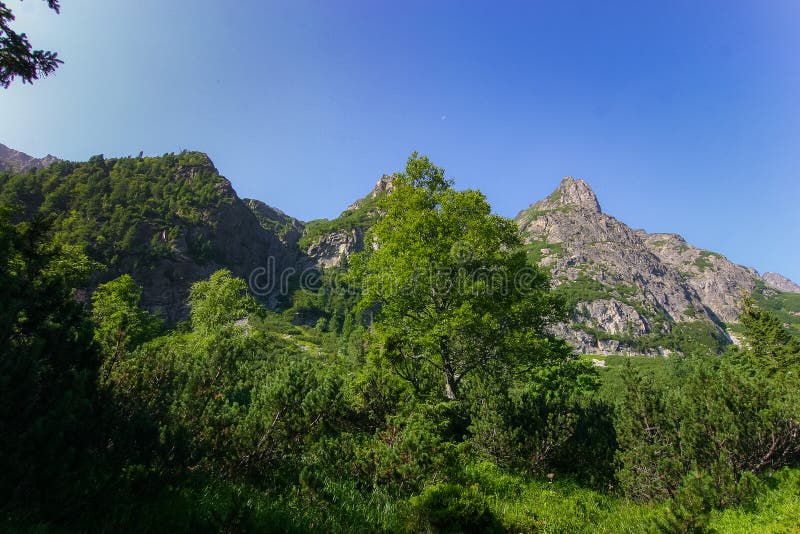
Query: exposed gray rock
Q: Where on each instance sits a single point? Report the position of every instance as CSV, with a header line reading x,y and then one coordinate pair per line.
x,y
780,282
329,250
384,184
571,193
631,290
15,161
720,283
614,317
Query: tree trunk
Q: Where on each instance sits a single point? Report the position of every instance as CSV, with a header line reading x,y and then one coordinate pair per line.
x,y
450,385
450,382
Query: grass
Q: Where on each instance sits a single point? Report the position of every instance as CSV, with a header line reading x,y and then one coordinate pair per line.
x,y
702,262
775,511
611,374
535,254
561,506
786,306
525,505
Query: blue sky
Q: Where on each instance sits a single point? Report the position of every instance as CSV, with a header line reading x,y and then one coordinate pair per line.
x,y
682,115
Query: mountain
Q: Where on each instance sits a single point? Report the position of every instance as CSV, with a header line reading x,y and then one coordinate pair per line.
x,y
168,221
629,290
15,161
328,242
172,220
619,291
780,282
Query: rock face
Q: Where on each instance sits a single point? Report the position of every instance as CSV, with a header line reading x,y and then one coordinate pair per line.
x,y
330,249
384,185
780,282
625,285
15,161
617,286
288,229
333,241
719,282
239,242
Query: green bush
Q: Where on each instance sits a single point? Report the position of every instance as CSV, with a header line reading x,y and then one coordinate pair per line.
x,y
452,508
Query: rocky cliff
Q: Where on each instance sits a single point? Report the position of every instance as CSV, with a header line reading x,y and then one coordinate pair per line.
x,y
617,288
237,239
328,243
15,161
628,290
780,282
719,282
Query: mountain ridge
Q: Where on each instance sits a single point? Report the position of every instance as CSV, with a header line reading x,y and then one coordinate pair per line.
x,y
627,290
15,161
582,246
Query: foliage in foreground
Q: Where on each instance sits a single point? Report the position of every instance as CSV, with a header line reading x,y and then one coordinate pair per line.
x,y
241,421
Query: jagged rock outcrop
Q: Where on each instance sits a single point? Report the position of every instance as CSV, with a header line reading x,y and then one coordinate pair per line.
x,y
719,282
15,161
330,249
614,317
626,285
616,283
780,282
385,184
328,243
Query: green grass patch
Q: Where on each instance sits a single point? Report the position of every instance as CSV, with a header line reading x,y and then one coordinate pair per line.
x,y
702,262
786,306
534,250
611,374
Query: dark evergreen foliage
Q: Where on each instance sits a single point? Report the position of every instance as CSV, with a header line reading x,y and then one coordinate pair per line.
x,y
17,57
244,419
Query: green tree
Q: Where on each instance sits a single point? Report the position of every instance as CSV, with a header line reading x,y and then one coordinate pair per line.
x,y
17,58
120,325
227,401
219,301
453,290
769,342
709,418
48,363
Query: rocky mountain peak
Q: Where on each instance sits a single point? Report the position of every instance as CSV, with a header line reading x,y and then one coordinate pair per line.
x,y
780,282
573,192
383,185
15,161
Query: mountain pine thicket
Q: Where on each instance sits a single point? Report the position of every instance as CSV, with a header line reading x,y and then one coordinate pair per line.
x,y
422,391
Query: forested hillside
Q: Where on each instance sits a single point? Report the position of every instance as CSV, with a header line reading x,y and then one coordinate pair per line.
x,y
419,388
173,220
168,221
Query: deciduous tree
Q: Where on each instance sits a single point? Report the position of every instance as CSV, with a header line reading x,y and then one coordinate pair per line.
x,y
454,292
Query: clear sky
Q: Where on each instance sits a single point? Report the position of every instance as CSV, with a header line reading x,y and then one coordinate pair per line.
x,y
684,116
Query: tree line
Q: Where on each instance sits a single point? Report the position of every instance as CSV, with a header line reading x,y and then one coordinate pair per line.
x,y
407,407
